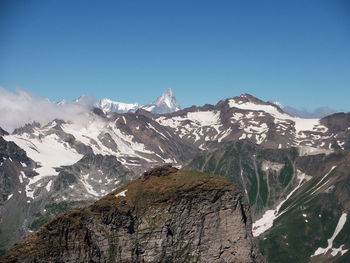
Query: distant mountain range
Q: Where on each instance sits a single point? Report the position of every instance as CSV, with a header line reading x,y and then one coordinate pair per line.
x,y
304,113
166,103
294,172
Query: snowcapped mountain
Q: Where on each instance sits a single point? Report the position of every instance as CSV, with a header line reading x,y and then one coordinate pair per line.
x,y
246,117
108,105
66,163
166,103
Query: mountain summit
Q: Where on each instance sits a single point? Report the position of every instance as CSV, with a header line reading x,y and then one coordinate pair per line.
x,y
115,106
165,103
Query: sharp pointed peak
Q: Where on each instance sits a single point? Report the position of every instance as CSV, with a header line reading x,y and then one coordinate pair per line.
x,y
165,103
168,91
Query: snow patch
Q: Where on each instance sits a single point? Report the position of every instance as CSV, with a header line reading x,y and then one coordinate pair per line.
x,y
122,193
307,150
20,177
266,221
334,251
204,118
48,186
45,151
88,187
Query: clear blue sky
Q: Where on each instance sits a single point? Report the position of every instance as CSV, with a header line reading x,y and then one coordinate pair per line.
x,y
296,52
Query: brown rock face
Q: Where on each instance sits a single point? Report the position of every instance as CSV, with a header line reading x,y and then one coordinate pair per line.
x,y
168,215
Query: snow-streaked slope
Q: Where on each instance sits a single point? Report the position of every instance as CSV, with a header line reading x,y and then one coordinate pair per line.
x,y
246,117
198,127
46,144
243,117
266,221
49,152
299,123
334,251
91,135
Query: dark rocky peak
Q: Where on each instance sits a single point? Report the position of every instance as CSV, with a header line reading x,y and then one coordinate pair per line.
x,y
163,170
337,122
3,132
11,150
144,113
27,128
59,122
244,98
99,112
166,103
56,124
248,98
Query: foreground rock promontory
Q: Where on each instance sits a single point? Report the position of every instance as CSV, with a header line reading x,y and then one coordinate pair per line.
x,y
166,215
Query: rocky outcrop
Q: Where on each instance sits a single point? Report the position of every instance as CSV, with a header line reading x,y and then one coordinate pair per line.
x,y
3,132
14,167
166,215
13,160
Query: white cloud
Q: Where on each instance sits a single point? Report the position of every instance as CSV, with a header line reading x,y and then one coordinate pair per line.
x,y
20,107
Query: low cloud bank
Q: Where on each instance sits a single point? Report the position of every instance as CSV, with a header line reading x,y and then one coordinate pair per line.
x,y
20,107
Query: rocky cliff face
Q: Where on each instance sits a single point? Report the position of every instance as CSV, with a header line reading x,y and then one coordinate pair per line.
x,y
166,215
15,166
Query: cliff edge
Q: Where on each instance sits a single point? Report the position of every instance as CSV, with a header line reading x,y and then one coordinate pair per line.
x,y
166,215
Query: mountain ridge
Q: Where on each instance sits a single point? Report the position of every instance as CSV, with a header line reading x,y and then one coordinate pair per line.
x,y
165,103
278,149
